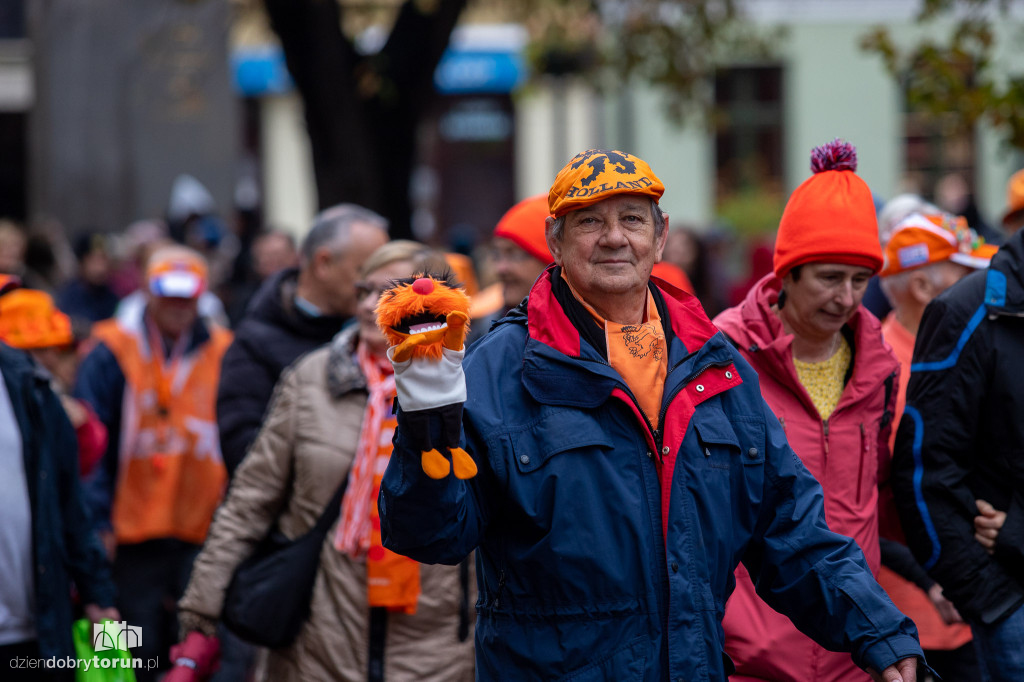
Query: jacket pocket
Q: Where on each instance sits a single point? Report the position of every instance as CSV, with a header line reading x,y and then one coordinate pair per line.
x,y
560,432
718,441
622,665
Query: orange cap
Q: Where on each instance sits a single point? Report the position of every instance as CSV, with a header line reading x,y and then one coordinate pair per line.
x,y
29,319
1014,197
830,218
176,272
595,175
524,225
920,240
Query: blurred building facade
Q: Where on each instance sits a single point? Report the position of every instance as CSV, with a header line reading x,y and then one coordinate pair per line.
x,y
497,136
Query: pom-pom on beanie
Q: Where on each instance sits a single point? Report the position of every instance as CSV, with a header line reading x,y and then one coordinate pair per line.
x,y
830,218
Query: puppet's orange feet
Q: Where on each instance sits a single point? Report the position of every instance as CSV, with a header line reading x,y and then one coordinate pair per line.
x,y
434,464
463,465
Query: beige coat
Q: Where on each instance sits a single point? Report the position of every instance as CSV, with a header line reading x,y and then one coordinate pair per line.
x,y
303,451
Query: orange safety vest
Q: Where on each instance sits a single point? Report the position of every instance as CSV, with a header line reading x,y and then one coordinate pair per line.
x,y
171,475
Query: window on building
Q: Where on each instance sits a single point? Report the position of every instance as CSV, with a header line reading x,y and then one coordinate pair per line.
x,y
749,183
938,157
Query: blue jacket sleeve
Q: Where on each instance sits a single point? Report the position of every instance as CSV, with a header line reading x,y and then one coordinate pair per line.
x,y
433,521
86,558
817,578
101,383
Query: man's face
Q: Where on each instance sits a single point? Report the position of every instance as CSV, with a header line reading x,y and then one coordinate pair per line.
x,y
336,270
173,316
95,267
516,269
821,301
608,249
272,253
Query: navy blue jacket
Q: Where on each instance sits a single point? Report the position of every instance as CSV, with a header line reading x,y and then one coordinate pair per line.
x,y
606,549
65,548
961,437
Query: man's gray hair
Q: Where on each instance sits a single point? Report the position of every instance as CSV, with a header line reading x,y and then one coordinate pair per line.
x,y
332,225
656,212
895,287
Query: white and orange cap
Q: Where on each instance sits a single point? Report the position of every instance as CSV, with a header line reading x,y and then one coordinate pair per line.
x,y
921,239
176,272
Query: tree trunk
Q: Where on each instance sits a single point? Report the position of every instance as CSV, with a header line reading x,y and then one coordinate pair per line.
x,y
362,111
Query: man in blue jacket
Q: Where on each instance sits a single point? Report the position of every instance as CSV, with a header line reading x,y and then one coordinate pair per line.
x,y
627,464
47,544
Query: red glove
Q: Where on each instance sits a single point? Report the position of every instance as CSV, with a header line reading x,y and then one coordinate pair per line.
x,y
195,659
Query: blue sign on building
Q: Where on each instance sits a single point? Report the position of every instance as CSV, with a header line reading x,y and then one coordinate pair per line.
x,y
262,71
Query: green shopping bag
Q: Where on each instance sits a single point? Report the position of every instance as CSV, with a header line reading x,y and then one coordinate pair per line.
x,y
108,664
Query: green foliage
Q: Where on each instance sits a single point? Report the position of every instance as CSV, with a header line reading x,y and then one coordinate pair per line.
x,y
675,44
953,72
751,212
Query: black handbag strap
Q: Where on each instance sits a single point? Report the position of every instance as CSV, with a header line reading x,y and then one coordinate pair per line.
x,y
332,511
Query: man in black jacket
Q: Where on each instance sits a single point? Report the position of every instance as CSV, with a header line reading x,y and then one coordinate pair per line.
x,y
958,469
294,312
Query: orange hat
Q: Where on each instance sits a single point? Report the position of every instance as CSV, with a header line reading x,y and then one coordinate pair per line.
x,y
597,174
176,272
524,225
829,218
674,275
920,240
1014,197
29,319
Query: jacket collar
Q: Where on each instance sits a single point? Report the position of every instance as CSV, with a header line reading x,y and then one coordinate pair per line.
x,y
558,356
343,373
1004,290
758,331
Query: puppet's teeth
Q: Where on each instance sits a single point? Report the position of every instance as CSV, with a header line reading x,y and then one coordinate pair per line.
x,y
426,327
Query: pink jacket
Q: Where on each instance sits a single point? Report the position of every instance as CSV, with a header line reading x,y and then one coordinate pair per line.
x,y
843,452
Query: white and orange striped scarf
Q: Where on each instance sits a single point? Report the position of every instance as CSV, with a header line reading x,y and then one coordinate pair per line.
x,y
392,580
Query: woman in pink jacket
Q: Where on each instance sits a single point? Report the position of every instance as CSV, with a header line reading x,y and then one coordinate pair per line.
x,y
830,379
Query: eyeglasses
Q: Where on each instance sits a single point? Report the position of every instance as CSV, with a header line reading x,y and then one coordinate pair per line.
x,y
367,289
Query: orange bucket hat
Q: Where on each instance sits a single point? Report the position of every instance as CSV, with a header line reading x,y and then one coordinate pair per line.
x,y
920,240
29,319
595,175
830,217
524,225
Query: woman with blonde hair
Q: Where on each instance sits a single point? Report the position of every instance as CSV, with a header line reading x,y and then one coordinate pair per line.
x,y
374,615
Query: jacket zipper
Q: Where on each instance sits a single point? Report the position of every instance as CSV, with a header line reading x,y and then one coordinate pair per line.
x,y
863,456
825,424
672,396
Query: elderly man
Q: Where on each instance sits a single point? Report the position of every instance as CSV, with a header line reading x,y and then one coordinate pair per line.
x,y
627,463
152,382
295,311
925,254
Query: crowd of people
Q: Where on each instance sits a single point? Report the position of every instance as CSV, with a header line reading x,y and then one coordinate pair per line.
x,y
812,472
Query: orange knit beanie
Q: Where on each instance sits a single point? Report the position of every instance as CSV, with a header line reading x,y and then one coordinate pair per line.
x,y
524,225
830,218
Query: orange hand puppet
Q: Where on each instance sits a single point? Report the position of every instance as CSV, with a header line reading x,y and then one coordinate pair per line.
x,y
421,316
